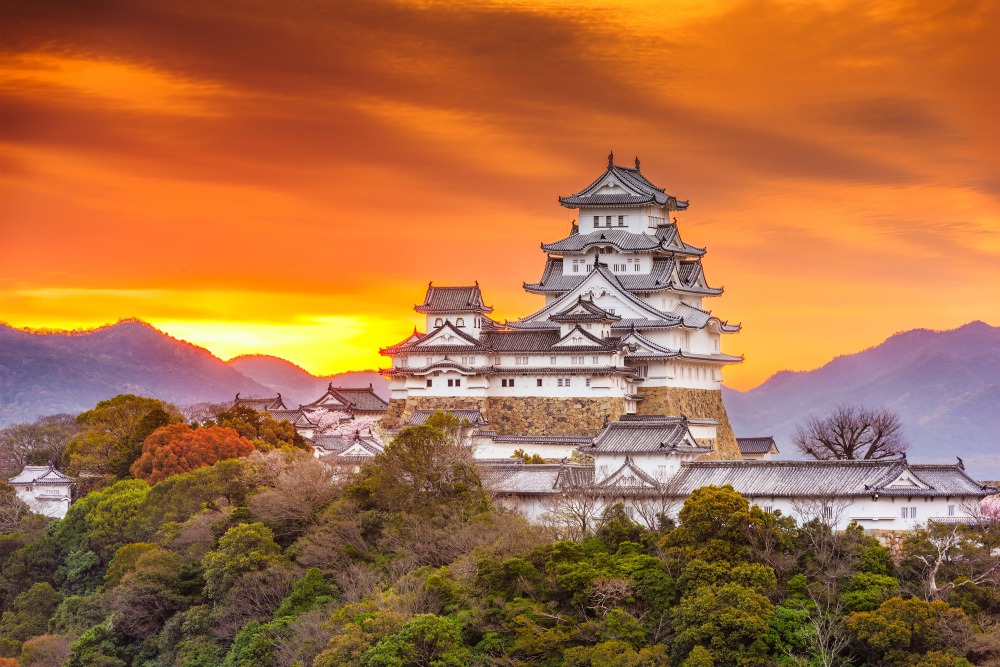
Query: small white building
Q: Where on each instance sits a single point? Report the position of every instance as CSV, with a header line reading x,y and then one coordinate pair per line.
x,y
44,489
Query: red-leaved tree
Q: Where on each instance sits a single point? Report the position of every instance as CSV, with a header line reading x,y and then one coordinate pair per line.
x,y
171,450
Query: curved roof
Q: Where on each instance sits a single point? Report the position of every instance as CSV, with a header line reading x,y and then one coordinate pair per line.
x,y
630,188
464,299
690,278
666,239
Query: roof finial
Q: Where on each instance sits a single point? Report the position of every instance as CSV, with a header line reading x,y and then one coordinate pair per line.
x,y
611,159
637,163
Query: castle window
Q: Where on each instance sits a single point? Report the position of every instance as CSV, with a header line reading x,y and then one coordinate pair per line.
x,y
538,383
951,510
595,359
642,370
506,382
430,360
607,220
469,361
552,360
430,382
438,322
521,361
621,220
827,512
460,322
768,508
597,221
588,382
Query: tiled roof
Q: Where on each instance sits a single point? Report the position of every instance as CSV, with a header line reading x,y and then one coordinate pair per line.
x,y
819,478
759,445
361,399
670,435
355,399
584,310
659,278
538,479
474,417
610,280
466,299
636,190
292,416
337,444
261,404
40,475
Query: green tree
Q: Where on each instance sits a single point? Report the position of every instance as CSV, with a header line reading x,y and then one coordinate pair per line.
x,y
27,617
110,438
426,639
731,621
423,469
247,547
114,520
901,631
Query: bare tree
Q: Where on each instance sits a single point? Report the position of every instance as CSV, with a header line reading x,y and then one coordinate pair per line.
x,y
572,513
852,432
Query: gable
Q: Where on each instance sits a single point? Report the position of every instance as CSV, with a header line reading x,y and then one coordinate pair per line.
x,y
906,480
604,289
446,335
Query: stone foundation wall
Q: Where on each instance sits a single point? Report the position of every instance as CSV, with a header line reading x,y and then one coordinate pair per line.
x,y
537,415
694,403
401,410
528,415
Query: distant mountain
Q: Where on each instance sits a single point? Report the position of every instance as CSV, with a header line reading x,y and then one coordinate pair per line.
x,y
944,385
48,373
296,385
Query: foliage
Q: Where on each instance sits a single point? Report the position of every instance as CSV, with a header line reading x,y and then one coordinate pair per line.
x,y
425,467
110,438
852,432
529,459
41,442
244,548
273,560
261,429
178,448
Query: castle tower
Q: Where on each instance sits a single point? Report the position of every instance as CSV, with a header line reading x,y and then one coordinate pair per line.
x,y
623,330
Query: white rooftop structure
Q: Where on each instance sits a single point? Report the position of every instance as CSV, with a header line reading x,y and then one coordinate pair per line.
x,y
44,489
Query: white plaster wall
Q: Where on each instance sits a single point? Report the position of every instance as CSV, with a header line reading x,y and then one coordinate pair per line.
x,y
48,499
884,513
487,449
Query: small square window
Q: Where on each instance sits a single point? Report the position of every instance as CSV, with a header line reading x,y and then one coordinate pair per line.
x,y
607,220
430,382
951,510
538,382
460,322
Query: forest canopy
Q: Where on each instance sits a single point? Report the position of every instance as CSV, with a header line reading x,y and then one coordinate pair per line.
x,y
272,558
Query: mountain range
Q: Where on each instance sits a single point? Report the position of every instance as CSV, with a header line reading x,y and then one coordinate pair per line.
x,y
47,373
944,385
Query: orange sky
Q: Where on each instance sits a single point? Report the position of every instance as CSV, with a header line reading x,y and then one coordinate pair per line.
x,y
285,178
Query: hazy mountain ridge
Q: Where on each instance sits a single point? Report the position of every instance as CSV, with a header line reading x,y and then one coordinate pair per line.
x,y
48,372
944,385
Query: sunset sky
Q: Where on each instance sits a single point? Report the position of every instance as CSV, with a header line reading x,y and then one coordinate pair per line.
x,y
285,177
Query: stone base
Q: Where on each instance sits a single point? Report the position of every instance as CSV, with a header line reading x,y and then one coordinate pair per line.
x,y
696,404
528,415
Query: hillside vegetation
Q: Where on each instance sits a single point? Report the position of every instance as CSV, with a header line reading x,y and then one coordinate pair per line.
x,y
274,559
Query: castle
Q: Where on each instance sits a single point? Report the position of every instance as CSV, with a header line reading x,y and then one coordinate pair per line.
x,y
623,331
623,365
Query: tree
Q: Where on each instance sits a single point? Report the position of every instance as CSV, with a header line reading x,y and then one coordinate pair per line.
x,y
111,436
900,631
852,432
246,547
260,428
28,616
178,448
424,469
423,640
39,443
731,621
